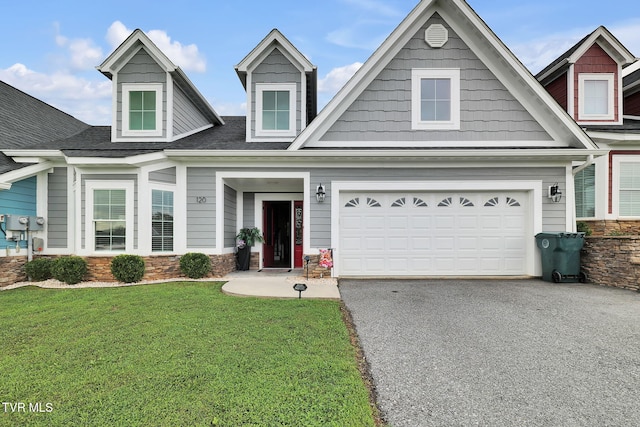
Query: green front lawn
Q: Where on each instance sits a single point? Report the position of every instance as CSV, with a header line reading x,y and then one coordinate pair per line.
x,y
175,354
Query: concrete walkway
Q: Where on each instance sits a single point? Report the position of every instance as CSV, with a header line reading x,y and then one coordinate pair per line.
x,y
278,283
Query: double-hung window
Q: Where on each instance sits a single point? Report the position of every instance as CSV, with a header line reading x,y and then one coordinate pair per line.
x,y
161,221
629,192
585,189
435,99
142,109
275,109
109,208
595,96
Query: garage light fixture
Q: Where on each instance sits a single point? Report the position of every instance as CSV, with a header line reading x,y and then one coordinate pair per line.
x,y
320,193
554,193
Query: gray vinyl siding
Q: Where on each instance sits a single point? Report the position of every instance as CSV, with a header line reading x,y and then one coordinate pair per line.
x,y
276,68
107,177
230,214
186,117
488,111
57,213
141,68
201,217
165,176
320,215
248,210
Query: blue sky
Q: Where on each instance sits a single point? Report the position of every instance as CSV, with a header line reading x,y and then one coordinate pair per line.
x,y
51,50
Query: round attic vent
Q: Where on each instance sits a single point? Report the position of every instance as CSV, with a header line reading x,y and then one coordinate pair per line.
x,y
436,35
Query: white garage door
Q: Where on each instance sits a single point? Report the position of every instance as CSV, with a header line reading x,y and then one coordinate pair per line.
x,y
445,234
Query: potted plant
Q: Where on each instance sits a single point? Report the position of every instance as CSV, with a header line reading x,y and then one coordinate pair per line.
x,y
246,238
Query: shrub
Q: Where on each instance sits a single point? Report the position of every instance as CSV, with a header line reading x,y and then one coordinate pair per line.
x,y
583,227
127,268
69,269
195,265
39,269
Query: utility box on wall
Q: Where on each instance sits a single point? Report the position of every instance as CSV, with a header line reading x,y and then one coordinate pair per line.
x,y
36,223
16,222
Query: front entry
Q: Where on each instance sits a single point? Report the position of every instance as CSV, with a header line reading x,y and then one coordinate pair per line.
x,y
277,234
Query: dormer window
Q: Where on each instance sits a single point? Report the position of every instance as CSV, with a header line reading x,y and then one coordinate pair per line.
x,y
142,109
595,97
275,109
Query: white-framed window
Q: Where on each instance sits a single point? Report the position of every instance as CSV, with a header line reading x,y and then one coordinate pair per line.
x,y
585,189
162,220
435,98
595,96
142,109
109,213
629,189
275,109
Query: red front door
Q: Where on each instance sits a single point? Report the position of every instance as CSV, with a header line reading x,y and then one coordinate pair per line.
x,y
297,233
276,250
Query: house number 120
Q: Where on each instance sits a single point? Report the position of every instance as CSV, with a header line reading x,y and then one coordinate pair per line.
x,y
201,199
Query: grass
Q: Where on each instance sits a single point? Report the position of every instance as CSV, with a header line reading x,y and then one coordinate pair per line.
x,y
178,354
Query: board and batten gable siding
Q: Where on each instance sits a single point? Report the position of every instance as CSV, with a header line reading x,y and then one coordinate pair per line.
x,y
20,199
554,214
201,207
141,68
186,117
230,215
276,68
57,209
488,111
83,203
595,60
165,176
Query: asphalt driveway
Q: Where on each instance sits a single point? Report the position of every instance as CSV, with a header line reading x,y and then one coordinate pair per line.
x,y
499,353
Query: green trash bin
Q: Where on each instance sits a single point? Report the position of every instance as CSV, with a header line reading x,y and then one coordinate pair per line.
x,y
561,256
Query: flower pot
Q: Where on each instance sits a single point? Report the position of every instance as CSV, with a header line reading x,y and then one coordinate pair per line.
x,y
243,258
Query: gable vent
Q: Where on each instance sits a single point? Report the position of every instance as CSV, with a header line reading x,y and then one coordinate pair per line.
x,y
436,35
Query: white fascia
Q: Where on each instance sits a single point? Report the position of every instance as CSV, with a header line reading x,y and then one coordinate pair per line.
x,y
8,178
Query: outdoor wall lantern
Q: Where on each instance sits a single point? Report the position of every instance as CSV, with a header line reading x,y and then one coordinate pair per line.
x,y
299,287
320,193
554,193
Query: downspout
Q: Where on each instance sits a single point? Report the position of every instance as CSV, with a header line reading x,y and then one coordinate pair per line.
x,y
583,166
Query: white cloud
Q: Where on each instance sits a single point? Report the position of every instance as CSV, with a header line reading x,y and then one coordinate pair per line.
x,y
82,98
187,57
230,109
538,53
336,78
84,54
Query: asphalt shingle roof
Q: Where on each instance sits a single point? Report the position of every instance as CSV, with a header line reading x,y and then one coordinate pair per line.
x,y
96,142
26,122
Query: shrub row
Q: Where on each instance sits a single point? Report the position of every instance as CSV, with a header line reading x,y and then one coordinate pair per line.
x,y
125,268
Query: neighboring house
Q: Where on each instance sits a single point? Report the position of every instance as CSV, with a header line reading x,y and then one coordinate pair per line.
x,y
25,122
435,159
598,83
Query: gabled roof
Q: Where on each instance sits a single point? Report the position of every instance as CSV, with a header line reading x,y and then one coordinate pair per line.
x,y
26,122
273,40
484,43
607,41
139,40
631,78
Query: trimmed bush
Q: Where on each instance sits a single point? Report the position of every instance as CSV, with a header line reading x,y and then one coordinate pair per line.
x,y
127,268
69,269
39,269
195,265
